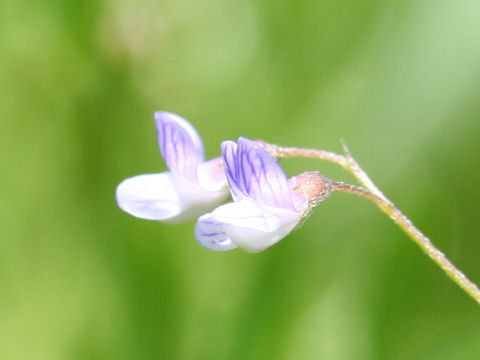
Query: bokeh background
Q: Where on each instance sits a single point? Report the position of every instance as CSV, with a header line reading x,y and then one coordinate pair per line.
x,y
79,82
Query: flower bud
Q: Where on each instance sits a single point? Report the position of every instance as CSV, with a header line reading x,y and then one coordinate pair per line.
x,y
313,188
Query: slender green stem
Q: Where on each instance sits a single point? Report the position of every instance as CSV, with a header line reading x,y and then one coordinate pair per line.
x,y
416,235
372,193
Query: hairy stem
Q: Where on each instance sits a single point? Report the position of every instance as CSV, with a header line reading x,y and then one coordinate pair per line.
x,y
372,193
416,235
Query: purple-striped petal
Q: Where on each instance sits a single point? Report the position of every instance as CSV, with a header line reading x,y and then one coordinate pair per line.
x,y
232,170
210,233
180,145
252,172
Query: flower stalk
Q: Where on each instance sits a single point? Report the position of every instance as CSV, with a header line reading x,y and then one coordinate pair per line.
x,y
372,193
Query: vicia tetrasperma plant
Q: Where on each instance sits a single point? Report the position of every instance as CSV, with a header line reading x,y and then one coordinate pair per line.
x,y
266,206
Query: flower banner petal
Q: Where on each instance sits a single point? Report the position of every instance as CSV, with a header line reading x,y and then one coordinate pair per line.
x,y
180,145
232,171
263,179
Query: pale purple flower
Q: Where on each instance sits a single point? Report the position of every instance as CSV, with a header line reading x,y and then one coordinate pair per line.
x,y
191,187
265,207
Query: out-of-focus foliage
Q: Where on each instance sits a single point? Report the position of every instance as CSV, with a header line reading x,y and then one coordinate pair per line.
x,y
80,80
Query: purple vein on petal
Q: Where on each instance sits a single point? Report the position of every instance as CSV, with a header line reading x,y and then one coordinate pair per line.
x,y
232,170
210,233
263,178
180,145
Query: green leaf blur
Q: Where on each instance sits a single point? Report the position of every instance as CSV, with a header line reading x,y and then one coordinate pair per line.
x,y
80,80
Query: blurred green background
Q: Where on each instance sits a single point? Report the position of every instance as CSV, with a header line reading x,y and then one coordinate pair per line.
x,y
80,80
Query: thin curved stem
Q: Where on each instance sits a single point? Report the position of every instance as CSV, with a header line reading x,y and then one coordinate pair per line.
x,y
347,161
281,152
372,193
416,235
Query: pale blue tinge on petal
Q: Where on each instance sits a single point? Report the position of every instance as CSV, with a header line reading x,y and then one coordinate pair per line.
x,y
232,170
194,199
150,197
191,187
263,210
265,180
254,228
166,197
252,172
210,233
180,145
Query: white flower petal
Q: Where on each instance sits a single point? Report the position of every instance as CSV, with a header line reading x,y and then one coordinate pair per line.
x,y
255,228
211,175
210,233
149,196
195,200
